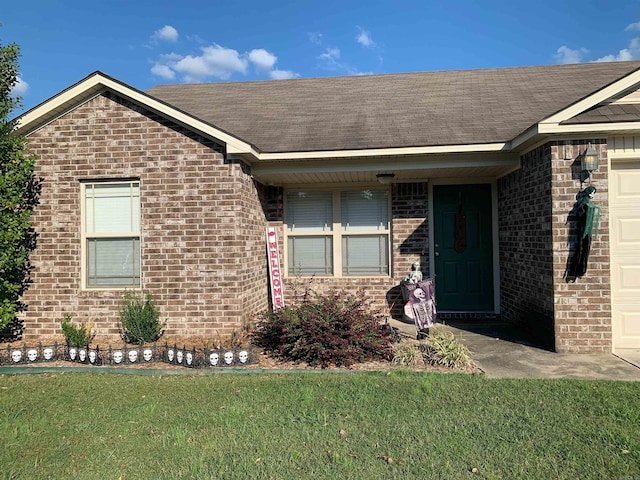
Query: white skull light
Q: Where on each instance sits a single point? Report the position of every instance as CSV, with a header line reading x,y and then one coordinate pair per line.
x,y
133,356
32,355
73,353
82,355
47,353
228,358
189,357
147,354
93,356
214,358
117,356
16,356
170,355
244,356
179,356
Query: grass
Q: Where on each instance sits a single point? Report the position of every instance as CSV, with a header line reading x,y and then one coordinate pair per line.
x,y
317,425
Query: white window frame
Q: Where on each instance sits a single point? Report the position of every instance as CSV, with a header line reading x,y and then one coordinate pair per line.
x,y
86,237
337,233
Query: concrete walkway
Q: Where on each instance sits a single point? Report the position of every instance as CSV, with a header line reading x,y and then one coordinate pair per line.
x,y
502,351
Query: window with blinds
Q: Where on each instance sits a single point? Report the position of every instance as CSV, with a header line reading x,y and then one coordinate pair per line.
x,y
112,234
340,233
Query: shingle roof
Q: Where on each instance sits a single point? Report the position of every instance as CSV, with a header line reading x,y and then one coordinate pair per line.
x,y
394,110
607,114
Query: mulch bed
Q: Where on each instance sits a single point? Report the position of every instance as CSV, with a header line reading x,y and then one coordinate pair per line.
x,y
260,359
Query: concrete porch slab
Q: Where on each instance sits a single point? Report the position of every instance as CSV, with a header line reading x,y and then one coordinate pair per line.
x,y
503,351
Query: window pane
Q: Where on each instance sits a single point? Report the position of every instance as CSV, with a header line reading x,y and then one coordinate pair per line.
x,y
113,208
309,256
309,212
365,255
364,210
113,262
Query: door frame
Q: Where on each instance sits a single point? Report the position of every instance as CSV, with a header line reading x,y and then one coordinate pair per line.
x,y
494,229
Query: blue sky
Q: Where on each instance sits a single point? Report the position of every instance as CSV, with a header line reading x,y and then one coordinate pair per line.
x,y
145,43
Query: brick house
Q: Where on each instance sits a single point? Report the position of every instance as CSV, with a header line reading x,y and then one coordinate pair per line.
x,y
170,191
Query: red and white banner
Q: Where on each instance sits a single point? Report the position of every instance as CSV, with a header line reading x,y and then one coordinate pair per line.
x,y
275,274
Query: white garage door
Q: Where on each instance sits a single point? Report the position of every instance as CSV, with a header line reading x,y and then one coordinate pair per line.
x,y
624,204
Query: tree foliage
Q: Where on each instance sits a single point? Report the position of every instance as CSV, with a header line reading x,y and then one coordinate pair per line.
x,y
19,194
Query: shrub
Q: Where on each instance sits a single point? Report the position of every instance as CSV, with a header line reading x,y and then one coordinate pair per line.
x,y
442,348
140,319
324,329
407,355
76,336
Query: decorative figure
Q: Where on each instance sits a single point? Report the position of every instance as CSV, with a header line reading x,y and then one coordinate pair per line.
x,y
243,356
73,353
189,358
179,356
32,355
82,355
421,306
93,356
117,356
147,354
16,356
228,358
588,216
47,353
414,276
214,358
133,356
170,355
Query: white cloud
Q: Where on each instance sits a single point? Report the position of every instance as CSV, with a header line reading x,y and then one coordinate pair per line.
x,y
217,62
330,58
364,38
630,53
282,74
20,88
565,54
315,37
633,26
262,59
166,33
163,71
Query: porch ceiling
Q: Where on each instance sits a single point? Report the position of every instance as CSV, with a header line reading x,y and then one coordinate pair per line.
x,y
405,169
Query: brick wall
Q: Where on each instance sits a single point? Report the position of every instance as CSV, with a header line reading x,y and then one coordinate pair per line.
x,y
409,243
201,222
537,240
583,305
525,245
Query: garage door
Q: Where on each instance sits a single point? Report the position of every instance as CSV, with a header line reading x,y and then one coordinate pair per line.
x,y
624,204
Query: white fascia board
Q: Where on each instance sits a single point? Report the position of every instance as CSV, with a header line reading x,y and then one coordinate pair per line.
x,y
384,152
630,81
98,82
589,128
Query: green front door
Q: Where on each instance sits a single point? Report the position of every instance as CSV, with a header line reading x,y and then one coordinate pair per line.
x,y
463,247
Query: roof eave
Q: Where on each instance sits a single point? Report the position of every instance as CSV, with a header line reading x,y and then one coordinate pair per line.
x,y
97,83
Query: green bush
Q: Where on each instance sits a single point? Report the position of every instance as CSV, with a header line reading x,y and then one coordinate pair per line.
x,y
337,328
76,336
442,348
140,319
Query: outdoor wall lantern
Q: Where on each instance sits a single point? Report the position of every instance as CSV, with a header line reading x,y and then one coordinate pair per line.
x,y
385,178
589,161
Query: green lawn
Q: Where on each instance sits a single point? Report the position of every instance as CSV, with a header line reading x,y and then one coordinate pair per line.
x,y
317,425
